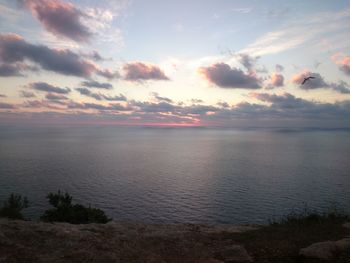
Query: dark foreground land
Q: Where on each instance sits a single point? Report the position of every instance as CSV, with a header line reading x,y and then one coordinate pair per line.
x,y
325,240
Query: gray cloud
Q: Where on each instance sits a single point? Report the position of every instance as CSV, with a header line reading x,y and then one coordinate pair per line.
x,y
319,82
279,68
9,106
2,96
99,96
224,76
247,61
138,71
16,69
52,96
341,87
196,101
14,49
60,18
43,86
26,94
96,84
159,98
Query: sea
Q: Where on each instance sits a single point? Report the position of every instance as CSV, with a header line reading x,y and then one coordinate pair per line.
x,y
179,174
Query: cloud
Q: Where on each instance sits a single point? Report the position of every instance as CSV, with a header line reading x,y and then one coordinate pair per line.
x,y
319,82
99,96
343,62
4,105
341,87
14,49
138,71
223,104
96,84
60,18
16,69
89,93
279,68
54,97
247,61
2,96
303,30
196,101
159,98
100,107
271,110
224,76
43,86
277,80
94,55
26,94
107,73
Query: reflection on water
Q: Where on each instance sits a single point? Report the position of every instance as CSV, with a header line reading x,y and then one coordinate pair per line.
x,y
178,174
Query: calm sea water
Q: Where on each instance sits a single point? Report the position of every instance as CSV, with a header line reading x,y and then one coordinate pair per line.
x,y
167,175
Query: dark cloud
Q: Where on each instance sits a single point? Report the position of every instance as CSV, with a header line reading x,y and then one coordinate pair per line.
x,y
316,83
15,69
119,97
223,104
96,84
2,96
99,96
9,106
138,71
14,49
224,76
159,98
100,107
89,93
319,82
43,86
60,18
277,110
164,107
26,94
52,96
341,87
7,70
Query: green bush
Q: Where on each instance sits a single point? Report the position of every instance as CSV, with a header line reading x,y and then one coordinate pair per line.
x,y
65,211
13,206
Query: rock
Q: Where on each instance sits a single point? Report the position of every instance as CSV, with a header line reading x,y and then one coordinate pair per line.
x,y
320,250
325,250
235,254
347,225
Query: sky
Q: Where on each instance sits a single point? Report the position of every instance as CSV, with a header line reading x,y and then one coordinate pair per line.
x,y
223,63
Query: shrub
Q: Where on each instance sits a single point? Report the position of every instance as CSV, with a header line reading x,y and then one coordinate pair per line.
x,y
65,211
13,206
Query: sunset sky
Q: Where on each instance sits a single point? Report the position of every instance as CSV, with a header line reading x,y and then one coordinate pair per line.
x,y
188,63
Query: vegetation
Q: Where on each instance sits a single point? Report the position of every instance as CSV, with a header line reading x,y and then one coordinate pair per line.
x,y
282,239
13,206
65,211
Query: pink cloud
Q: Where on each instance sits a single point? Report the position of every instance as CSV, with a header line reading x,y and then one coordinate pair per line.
x,y
138,71
277,80
60,18
224,76
343,62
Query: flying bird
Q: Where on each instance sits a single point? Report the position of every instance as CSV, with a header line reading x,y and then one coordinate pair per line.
x,y
306,79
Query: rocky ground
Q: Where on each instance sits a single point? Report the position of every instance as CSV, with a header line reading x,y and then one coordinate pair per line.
x,y
26,241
